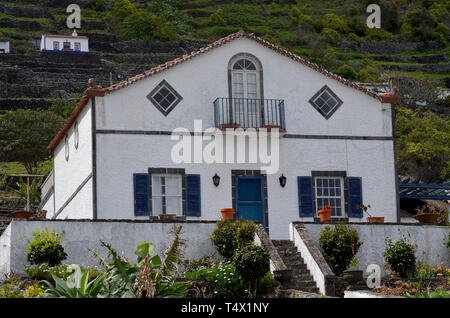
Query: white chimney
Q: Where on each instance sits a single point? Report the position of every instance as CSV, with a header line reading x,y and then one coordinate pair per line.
x,y
74,33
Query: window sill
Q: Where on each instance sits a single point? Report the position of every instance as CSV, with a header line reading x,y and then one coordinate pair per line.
x,y
334,220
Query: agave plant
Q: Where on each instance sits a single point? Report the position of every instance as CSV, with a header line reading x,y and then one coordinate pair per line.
x,y
150,277
77,285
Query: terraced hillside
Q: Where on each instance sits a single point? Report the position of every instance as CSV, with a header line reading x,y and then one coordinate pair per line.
x,y
30,79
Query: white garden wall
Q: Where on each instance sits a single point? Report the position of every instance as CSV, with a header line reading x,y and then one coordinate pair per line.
x,y
430,240
81,236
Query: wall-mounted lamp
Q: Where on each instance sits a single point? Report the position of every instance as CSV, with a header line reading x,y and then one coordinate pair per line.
x,y
282,180
216,180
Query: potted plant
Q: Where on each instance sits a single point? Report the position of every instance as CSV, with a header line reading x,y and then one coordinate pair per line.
x,y
428,213
325,213
167,217
227,213
230,124
353,275
371,219
270,127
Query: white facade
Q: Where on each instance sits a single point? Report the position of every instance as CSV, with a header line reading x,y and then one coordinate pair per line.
x,y
132,135
64,43
4,47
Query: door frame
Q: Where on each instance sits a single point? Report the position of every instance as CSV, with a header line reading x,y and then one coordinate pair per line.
x,y
251,173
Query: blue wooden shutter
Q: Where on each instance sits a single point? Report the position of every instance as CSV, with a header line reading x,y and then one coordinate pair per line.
x,y
193,195
305,196
141,194
355,199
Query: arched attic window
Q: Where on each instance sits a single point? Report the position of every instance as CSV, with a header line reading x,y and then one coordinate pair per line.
x,y
245,77
245,89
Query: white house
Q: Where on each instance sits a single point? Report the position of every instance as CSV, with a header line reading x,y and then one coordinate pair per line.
x,y
65,43
117,157
4,47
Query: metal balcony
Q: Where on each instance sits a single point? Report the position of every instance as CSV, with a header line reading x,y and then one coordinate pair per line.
x,y
249,113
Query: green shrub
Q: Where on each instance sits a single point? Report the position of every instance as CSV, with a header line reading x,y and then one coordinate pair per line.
x,y
224,238
245,233
44,271
353,37
330,35
339,245
228,236
196,265
216,18
252,263
9,290
400,256
225,280
46,247
347,72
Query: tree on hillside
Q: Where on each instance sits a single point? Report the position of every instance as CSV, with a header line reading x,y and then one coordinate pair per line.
x,y
25,134
423,144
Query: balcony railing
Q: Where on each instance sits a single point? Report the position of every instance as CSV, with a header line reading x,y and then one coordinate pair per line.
x,y
249,113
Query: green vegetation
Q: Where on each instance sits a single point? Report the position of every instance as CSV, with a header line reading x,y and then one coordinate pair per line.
x,y
25,134
45,247
339,245
423,144
400,256
229,236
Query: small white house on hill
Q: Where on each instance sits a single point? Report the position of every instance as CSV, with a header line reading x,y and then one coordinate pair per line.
x,y
64,43
142,147
4,47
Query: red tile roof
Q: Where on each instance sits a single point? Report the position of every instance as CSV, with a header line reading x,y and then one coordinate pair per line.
x,y
91,91
157,69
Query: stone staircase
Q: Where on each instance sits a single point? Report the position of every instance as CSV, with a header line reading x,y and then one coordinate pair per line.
x,y
301,277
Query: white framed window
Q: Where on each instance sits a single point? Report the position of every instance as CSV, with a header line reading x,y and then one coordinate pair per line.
x,y
167,194
77,46
76,135
66,147
330,191
55,45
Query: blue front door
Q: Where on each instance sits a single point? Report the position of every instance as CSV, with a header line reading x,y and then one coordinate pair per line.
x,y
250,198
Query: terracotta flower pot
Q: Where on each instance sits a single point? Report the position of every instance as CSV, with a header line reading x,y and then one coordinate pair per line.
x,y
325,215
227,214
353,275
375,219
225,126
21,214
269,127
427,217
167,217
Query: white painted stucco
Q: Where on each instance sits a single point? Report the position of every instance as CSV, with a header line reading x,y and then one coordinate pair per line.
x,y
200,81
79,237
70,174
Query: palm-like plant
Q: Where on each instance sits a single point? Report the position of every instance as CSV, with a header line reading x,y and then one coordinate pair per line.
x,y
77,285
